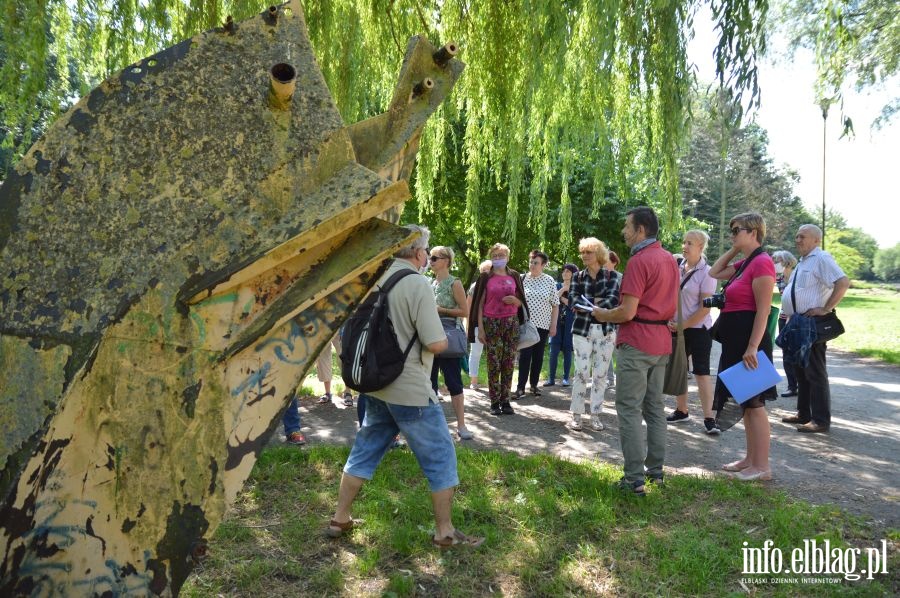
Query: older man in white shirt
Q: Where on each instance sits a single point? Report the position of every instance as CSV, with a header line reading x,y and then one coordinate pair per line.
x,y
818,284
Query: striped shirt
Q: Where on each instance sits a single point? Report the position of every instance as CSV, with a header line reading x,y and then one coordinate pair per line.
x,y
814,279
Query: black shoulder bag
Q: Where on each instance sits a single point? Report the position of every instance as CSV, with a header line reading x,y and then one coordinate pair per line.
x,y
828,327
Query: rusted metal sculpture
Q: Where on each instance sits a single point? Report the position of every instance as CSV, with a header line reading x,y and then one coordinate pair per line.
x,y
174,252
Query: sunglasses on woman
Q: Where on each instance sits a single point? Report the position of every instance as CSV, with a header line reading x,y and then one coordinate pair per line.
x,y
435,258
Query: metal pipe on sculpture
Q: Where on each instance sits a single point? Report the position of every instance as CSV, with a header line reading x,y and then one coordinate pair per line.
x,y
272,15
420,88
165,292
282,81
443,56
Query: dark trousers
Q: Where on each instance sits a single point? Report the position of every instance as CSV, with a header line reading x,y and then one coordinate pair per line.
x,y
531,360
788,364
813,392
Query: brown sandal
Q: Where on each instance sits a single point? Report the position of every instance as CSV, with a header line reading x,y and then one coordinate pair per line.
x,y
331,532
457,539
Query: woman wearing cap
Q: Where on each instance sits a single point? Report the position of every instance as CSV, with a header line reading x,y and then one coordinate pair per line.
x,y
562,341
497,307
451,304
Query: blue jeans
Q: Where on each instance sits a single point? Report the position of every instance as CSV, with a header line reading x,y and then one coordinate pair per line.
x,y
426,433
291,417
554,357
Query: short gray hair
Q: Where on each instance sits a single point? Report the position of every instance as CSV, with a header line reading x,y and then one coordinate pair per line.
x,y
785,257
421,242
816,231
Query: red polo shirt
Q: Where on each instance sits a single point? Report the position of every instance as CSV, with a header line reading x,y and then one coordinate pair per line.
x,y
651,275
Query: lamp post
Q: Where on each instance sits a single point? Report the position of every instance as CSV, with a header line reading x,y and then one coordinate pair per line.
x,y
694,203
825,104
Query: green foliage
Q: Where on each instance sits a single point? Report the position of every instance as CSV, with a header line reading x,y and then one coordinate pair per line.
x,y
551,89
856,42
727,170
887,263
847,257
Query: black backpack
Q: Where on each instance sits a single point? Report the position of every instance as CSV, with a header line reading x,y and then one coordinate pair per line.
x,y
371,357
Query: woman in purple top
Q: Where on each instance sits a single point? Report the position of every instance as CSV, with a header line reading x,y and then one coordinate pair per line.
x,y
497,311
696,285
742,330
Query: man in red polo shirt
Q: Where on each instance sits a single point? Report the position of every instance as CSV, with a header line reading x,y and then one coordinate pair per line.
x,y
644,343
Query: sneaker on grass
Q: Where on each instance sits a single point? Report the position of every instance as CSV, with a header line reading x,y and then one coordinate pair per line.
x,y
678,417
296,438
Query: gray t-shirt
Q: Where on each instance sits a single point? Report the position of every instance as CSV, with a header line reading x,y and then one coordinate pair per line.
x,y
412,309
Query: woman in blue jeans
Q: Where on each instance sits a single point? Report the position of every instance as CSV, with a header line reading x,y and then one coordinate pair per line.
x,y
562,341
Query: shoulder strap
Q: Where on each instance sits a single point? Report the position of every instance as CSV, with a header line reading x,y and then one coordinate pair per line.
x,y
747,261
394,279
688,277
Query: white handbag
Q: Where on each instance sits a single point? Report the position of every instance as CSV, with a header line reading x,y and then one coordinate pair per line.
x,y
528,335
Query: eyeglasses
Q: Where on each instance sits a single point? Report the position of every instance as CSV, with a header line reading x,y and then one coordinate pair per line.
x,y
535,262
435,258
737,229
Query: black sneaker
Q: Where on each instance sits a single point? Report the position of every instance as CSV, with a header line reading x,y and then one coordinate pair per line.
x,y
495,409
518,394
506,408
678,417
711,426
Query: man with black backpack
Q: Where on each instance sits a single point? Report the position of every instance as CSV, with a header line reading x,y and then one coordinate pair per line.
x,y
403,401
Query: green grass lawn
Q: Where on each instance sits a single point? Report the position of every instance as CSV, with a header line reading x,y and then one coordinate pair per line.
x,y
871,318
553,528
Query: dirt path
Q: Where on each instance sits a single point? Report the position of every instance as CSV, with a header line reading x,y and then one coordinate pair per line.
x,y
854,466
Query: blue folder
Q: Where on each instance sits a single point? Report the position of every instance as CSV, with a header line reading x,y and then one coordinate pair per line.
x,y
745,384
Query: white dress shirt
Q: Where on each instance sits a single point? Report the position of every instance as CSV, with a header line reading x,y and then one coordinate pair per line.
x,y
814,278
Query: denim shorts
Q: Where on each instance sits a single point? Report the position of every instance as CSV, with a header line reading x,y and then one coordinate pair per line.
x,y
426,433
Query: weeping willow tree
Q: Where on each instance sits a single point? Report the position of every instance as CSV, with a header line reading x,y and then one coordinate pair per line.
x,y
598,86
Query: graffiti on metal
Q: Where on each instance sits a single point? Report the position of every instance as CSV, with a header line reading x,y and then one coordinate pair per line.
x,y
174,253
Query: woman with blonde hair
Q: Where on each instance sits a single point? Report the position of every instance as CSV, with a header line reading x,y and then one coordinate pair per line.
x,y
593,341
742,330
451,306
696,285
497,308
